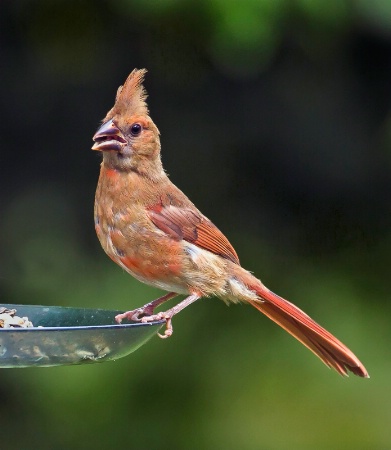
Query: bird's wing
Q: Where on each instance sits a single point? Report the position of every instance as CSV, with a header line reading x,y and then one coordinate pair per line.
x,y
190,225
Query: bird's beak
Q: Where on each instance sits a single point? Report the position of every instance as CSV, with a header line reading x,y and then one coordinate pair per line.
x,y
108,137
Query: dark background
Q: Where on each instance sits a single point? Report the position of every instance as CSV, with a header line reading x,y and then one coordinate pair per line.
x,y
275,121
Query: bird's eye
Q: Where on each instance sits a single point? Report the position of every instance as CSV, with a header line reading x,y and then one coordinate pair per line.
x,y
135,129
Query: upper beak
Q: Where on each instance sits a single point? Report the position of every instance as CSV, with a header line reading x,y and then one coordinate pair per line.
x,y
108,137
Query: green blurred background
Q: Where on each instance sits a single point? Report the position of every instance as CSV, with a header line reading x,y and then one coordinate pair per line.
x,y
275,120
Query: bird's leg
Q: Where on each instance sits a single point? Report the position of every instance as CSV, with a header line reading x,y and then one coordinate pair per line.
x,y
146,310
170,313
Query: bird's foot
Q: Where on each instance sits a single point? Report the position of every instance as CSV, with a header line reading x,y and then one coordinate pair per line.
x,y
134,315
147,310
145,313
167,316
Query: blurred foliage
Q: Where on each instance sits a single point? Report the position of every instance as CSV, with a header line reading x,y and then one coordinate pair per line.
x,y
275,120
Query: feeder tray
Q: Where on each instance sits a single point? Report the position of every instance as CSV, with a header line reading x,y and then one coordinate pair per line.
x,y
63,336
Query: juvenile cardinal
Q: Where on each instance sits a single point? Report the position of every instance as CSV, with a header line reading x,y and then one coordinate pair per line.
x,y
153,231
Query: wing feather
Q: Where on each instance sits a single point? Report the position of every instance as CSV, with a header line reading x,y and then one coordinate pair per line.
x,y
190,225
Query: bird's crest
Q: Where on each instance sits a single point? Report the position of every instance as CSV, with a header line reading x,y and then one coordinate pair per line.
x,y
130,98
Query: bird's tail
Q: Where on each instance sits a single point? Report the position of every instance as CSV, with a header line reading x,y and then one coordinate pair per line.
x,y
296,322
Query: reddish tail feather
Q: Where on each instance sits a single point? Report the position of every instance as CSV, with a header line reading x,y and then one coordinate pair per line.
x,y
296,322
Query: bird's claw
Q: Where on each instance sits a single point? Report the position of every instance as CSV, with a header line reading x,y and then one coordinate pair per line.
x,y
145,313
135,315
161,316
168,331
129,315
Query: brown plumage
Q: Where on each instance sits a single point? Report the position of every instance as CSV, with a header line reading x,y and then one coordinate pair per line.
x,y
153,231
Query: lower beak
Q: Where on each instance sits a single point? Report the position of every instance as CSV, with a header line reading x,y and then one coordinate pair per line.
x,y
108,137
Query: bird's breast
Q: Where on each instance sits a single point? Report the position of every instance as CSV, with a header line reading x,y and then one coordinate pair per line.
x,y
132,241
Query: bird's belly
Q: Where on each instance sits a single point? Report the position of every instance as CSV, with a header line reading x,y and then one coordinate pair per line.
x,y
152,260
158,273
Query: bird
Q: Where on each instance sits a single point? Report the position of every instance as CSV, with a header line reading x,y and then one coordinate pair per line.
x,y
151,229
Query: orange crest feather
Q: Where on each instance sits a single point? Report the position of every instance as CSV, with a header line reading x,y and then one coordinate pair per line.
x,y
130,98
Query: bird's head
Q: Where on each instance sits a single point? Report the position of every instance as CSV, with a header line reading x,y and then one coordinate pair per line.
x,y
128,138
